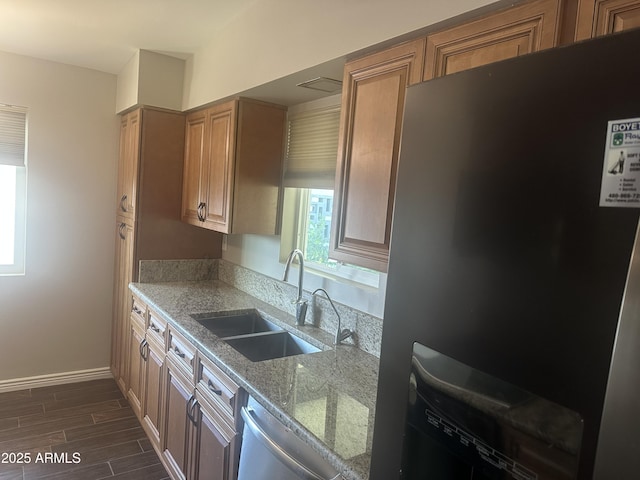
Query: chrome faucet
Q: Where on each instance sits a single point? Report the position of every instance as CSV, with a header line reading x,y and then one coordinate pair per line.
x,y
301,304
341,334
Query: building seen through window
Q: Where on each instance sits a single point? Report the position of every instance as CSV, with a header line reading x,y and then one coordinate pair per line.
x,y
319,226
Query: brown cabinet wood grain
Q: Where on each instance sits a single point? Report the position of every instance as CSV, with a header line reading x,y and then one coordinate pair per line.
x,y
218,171
215,447
148,214
128,164
138,349
197,440
371,120
601,17
232,168
176,433
122,301
154,379
526,28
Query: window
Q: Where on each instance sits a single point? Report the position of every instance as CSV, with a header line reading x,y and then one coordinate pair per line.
x,y
309,174
12,189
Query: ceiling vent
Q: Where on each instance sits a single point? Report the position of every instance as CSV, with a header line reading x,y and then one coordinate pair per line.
x,y
323,84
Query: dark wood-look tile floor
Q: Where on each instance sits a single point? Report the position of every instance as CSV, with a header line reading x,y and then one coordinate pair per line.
x,y
80,431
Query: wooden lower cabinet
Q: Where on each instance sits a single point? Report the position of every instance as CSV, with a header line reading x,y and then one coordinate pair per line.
x,y
137,349
216,444
195,429
154,383
198,442
176,432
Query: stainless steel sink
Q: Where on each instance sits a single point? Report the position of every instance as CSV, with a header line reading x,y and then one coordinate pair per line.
x,y
269,345
231,324
252,335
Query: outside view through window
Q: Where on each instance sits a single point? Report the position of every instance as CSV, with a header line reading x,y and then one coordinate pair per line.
x,y
319,227
7,213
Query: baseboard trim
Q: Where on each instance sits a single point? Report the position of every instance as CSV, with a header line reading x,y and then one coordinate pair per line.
x,y
54,379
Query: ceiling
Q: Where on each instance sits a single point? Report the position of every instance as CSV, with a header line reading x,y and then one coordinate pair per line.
x,y
105,34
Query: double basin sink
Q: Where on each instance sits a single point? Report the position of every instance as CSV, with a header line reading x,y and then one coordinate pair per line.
x,y
253,336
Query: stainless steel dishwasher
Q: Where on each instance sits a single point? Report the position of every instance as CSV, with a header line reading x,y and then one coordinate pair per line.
x,y
271,451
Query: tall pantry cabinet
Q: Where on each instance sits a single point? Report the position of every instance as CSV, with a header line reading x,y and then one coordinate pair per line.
x,y
148,225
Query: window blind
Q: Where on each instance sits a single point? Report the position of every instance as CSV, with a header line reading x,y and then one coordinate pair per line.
x,y
312,148
13,121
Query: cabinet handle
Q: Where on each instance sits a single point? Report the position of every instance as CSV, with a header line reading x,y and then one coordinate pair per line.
x,y
143,348
123,205
191,405
135,309
178,352
153,327
201,214
213,388
121,230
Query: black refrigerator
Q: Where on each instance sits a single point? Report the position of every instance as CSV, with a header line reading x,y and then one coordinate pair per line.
x,y
511,338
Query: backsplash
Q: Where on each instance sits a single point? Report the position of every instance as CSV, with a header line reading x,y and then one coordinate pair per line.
x,y
160,271
280,294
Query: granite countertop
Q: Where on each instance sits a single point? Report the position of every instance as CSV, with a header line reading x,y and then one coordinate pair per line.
x,y
327,398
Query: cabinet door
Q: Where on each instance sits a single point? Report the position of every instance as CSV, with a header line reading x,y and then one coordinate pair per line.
x,y
601,17
122,301
176,425
193,162
138,351
128,164
215,447
218,168
154,385
370,124
527,28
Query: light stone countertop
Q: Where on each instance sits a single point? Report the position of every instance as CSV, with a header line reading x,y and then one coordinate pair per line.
x,y
327,398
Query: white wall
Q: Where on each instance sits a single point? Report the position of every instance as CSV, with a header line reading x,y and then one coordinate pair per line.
x,y
161,80
275,38
151,79
57,318
127,84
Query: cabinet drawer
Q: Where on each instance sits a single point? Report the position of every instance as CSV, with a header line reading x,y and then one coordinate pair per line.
x,y
157,328
182,352
219,389
139,311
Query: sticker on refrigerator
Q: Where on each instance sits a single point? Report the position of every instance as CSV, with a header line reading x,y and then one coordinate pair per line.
x,y
621,170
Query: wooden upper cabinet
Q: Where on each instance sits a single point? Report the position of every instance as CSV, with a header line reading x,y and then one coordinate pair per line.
x,y
193,159
233,166
128,164
218,170
371,120
601,17
509,33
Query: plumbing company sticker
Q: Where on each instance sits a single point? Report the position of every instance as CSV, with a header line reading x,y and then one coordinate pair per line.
x,y
621,171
